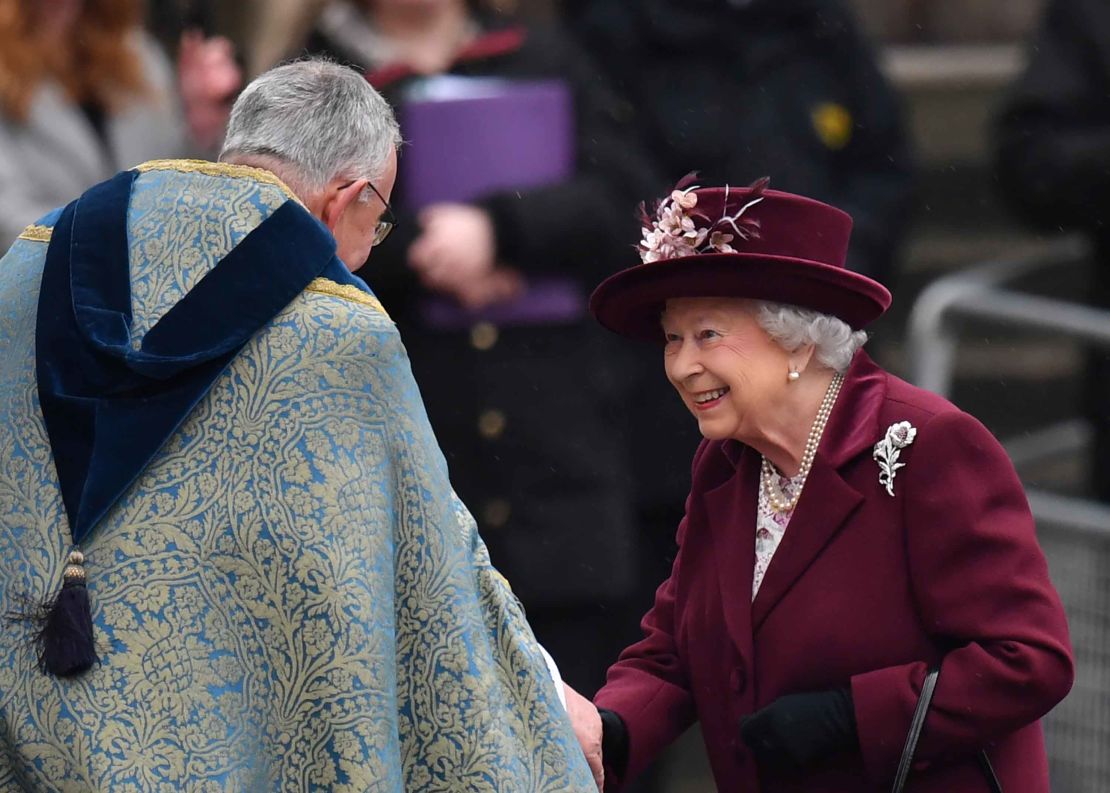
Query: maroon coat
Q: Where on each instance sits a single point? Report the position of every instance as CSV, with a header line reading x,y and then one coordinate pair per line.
x,y
866,590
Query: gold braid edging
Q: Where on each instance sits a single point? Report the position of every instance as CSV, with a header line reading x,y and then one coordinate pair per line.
x,y
37,233
42,233
218,169
326,286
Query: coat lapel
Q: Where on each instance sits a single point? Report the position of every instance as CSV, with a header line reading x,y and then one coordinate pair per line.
x,y
730,512
827,500
826,504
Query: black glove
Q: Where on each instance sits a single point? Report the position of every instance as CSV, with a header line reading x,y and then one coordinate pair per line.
x,y
614,741
798,730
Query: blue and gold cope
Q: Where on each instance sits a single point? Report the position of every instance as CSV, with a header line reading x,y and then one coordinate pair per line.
x,y
286,593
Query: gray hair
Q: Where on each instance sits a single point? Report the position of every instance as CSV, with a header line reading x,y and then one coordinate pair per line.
x,y
793,327
319,118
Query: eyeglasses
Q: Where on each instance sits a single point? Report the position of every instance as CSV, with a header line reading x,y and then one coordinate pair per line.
x,y
386,223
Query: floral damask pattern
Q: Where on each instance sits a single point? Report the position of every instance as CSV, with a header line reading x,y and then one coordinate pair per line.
x,y
289,597
225,214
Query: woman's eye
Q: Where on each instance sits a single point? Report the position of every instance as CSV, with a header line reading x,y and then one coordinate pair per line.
x,y
671,337
708,334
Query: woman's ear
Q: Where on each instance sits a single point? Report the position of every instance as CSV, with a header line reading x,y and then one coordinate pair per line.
x,y
339,195
801,357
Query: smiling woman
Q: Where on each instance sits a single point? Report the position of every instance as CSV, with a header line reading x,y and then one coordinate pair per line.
x,y
738,364
835,578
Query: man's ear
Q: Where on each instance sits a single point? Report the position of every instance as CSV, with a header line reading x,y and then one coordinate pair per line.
x,y
339,195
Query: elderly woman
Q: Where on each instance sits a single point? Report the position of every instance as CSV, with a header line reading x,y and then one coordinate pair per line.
x,y
845,531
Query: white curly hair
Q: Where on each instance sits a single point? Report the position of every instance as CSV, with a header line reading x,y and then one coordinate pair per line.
x,y
793,327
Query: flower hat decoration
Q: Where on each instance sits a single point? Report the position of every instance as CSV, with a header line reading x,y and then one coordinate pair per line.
x,y
671,230
748,242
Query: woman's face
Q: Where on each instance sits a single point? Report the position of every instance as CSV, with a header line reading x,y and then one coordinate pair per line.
x,y
728,371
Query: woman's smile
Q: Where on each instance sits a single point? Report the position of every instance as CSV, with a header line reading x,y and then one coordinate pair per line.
x,y
706,400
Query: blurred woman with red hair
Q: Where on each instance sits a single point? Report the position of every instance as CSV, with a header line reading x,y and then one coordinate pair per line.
x,y
85,92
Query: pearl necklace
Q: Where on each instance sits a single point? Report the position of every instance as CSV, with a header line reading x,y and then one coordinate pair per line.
x,y
767,470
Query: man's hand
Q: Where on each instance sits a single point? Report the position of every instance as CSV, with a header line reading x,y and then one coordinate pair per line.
x,y
457,246
587,728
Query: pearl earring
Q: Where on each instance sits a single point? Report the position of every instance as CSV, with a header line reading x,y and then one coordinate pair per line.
x,y
793,376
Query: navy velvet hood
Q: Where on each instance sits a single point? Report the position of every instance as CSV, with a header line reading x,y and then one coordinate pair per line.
x,y
110,401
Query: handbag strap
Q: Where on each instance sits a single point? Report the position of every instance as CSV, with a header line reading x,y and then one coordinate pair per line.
x,y
917,724
918,721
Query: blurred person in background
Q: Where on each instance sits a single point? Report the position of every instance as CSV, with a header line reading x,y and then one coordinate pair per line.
x,y
1053,165
84,92
262,31
517,383
845,532
742,88
738,90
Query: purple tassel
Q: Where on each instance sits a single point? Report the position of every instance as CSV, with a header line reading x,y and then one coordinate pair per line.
x,y
64,643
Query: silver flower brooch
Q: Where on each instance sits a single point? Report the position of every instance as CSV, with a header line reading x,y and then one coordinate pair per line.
x,y
886,452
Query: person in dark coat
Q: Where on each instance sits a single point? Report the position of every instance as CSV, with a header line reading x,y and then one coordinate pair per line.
x,y
1053,165
742,89
844,532
518,392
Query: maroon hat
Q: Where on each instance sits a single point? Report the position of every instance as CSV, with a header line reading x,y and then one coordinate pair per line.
x,y
746,242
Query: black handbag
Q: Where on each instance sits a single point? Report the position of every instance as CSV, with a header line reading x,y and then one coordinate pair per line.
x,y
918,722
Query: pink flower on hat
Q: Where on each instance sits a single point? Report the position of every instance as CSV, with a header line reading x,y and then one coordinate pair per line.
x,y
672,231
719,241
687,199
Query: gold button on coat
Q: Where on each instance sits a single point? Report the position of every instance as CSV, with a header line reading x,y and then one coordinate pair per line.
x,y
483,336
491,424
495,513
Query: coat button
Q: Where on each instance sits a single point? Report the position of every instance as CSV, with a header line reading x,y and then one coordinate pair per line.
x,y
737,680
483,335
491,424
495,513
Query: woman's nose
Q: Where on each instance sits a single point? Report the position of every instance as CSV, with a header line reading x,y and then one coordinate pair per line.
x,y
683,363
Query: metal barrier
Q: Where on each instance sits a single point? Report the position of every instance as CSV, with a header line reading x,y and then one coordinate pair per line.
x,y
1074,532
980,293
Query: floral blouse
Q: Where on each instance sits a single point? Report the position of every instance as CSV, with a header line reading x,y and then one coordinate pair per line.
x,y
770,526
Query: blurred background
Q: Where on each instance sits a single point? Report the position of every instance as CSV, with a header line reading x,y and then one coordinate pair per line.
x,y
970,139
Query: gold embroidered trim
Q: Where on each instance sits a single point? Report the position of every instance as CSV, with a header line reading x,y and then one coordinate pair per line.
x,y
326,286
501,579
218,169
37,233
